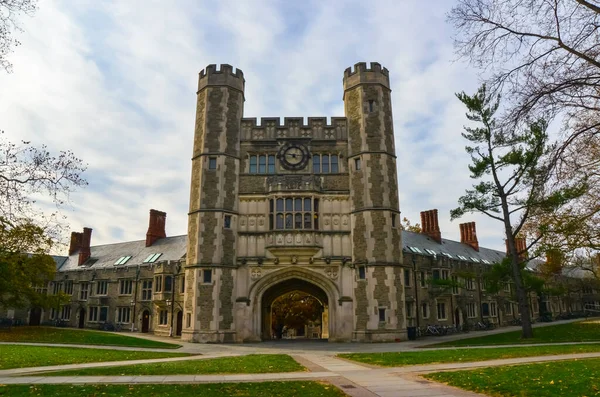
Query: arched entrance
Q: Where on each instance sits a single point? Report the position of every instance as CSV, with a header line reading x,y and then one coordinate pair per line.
x,y
145,321
179,323
81,318
288,292
35,316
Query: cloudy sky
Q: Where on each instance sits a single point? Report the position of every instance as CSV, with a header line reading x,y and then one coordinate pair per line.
x,y
114,81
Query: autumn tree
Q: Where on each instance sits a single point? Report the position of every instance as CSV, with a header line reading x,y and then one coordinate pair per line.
x,y
295,309
10,10
408,226
512,169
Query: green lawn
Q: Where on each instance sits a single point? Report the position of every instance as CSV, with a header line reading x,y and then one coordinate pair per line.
x,y
582,331
562,378
465,355
262,389
250,364
19,356
76,337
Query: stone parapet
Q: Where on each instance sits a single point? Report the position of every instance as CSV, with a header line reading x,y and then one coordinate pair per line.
x,y
224,76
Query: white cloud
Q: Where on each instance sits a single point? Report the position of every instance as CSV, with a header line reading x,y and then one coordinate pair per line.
x,y
115,82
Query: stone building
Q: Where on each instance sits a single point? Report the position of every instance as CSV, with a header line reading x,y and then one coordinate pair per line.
x,y
279,207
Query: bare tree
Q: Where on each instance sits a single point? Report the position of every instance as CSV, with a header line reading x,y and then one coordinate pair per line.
x,y
29,174
543,54
9,11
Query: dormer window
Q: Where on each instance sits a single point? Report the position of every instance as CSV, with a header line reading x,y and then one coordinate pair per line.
x,y
152,258
122,260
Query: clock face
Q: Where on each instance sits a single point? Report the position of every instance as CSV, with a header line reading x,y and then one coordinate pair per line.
x,y
293,156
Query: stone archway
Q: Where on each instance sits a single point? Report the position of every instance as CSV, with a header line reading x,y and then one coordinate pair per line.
x,y
270,287
278,290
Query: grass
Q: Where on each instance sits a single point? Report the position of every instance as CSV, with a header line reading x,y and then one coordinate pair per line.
x,y
465,355
262,389
250,364
19,356
563,378
581,331
76,337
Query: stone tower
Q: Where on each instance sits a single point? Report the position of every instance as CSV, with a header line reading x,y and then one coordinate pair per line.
x,y
374,209
212,236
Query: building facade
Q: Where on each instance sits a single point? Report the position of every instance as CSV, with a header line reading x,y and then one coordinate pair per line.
x,y
279,207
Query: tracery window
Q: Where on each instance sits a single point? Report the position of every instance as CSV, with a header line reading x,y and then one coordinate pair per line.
x,y
294,213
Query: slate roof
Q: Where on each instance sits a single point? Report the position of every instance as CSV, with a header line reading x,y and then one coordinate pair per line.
x,y
454,248
59,260
105,256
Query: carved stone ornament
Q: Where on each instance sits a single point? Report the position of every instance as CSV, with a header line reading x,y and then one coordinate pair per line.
x,y
255,273
332,272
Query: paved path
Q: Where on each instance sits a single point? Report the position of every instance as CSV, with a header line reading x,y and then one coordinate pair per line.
x,y
355,379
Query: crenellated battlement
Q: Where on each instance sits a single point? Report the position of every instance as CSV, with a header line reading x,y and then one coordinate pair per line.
x,y
223,69
361,67
361,73
223,75
293,127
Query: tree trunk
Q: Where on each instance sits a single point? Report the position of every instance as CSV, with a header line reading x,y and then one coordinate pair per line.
x,y
527,330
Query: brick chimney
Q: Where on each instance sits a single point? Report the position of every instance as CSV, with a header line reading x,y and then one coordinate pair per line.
x,y
430,225
521,246
75,242
468,235
156,227
84,247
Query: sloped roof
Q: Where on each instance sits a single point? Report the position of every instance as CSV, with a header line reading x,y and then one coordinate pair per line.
x,y
59,260
454,248
103,256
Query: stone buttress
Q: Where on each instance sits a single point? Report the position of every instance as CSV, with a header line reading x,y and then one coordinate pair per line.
x,y
213,212
376,234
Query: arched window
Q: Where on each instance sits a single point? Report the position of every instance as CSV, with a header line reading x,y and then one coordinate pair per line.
x,y
279,224
316,163
253,164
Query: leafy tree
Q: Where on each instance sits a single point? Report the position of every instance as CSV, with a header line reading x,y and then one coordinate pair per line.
x,y
24,263
542,54
513,174
295,309
9,11
406,225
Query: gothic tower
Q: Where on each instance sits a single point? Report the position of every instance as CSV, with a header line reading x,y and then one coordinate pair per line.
x,y
212,218
376,235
